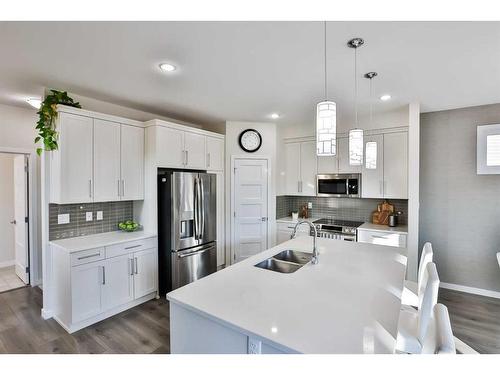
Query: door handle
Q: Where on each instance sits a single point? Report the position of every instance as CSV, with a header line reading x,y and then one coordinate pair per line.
x,y
103,275
202,211
187,157
136,266
265,219
208,159
131,266
13,222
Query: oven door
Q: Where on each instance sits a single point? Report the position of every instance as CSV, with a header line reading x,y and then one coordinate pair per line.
x,y
328,185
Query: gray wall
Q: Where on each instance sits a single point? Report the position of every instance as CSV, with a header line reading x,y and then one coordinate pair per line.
x,y
459,210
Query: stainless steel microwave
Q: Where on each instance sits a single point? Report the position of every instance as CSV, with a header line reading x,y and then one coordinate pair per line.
x,y
338,185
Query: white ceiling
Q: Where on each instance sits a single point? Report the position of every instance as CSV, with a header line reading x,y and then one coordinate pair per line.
x,y
247,70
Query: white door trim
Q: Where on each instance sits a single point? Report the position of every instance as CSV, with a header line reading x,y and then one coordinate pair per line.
x,y
32,211
232,205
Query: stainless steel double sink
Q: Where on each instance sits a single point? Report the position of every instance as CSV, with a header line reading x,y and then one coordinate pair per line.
x,y
286,261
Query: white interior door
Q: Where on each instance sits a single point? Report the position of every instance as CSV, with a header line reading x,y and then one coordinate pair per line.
x,y
20,213
250,214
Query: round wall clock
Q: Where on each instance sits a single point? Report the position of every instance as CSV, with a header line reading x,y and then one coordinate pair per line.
x,y
250,140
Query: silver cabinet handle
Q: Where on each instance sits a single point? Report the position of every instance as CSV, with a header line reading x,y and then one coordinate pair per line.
x,y
88,256
118,184
90,188
136,266
103,275
381,237
131,266
187,157
208,159
132,247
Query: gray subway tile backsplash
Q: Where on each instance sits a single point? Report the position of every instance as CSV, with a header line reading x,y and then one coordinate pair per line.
x,y
357,209
113,213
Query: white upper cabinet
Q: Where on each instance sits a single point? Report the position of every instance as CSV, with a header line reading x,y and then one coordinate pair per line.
x,y
98,161
132,163
186,149
300,168
373,167
107,183
292,168
194,148
215,154
308,168
170,147
71,165
385,168
396,165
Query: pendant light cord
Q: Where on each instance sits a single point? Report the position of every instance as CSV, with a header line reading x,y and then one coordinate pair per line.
x,y
371,103
326,76
356,87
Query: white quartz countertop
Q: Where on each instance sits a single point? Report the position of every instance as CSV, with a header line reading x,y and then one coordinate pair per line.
x,y
99,240
403,229
288,219
347,303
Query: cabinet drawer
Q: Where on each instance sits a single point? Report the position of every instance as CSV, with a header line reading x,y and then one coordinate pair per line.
x,y
289,227
130,247
382,238
87,256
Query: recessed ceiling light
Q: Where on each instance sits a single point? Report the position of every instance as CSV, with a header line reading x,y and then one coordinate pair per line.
x,y
166,67
275,116
385,97
34,102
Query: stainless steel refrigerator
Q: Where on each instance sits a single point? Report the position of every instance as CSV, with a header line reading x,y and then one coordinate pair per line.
x,y
187,230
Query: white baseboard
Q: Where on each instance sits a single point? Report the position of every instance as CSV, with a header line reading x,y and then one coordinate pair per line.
x,y
471,290
7,263
46,314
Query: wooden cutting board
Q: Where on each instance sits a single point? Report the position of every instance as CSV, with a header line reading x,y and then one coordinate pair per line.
x,y
381,216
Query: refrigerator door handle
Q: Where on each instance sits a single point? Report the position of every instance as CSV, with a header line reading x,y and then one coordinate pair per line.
x,y
195,207
202,213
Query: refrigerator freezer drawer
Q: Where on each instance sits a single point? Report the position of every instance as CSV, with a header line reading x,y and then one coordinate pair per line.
x,y
193,264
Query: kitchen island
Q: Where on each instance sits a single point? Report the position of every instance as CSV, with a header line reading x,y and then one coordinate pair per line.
x,y
347,303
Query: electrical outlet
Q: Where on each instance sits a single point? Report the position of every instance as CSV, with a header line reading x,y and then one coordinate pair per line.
x,y
88,216
99,215
309,205
254,346
63,219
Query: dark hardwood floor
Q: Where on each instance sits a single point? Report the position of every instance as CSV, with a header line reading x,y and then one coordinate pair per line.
x,y
474,319
145,328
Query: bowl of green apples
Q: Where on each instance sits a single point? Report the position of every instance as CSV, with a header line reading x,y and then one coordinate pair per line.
x,y
129,226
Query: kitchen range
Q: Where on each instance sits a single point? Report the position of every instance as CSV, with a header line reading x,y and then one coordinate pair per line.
x,y
337,229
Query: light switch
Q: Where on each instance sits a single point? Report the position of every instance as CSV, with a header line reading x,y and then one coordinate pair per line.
x,y
63,219
88,216
309,205
99,215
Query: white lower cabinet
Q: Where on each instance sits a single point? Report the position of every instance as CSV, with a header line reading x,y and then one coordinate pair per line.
x,y
284,231
145,274
388,238
89,289
117,282
86,283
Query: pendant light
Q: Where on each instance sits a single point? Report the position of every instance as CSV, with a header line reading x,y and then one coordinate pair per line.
x,y
326,120
371,147
356,134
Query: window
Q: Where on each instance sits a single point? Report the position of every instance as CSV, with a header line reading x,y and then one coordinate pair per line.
x,y
493,150
371,155
356,147
488,149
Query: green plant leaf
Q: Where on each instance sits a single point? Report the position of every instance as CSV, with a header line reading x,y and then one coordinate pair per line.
x,y
47,115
